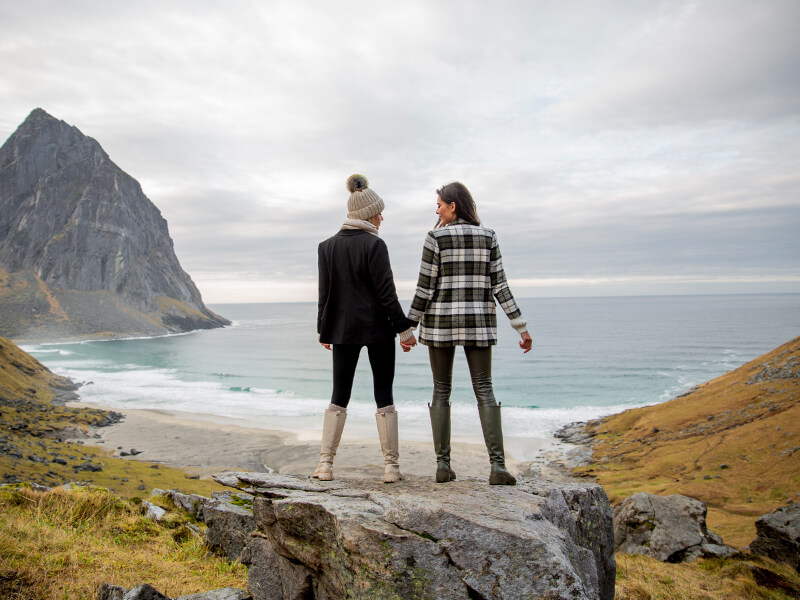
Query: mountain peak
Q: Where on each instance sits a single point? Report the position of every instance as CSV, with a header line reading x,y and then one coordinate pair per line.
x,y
72,222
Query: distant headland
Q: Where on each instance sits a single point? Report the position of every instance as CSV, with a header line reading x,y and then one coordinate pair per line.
x,y
83,252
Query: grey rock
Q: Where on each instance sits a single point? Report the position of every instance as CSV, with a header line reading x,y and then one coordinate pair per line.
x,y
88,466
717,551
191,503
778,535
227,593
357,538
111,592
229,527
86,250
156,513
667,528
272,576
144,591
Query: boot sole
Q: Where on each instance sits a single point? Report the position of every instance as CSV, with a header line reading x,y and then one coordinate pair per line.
x,y
445,475
498,479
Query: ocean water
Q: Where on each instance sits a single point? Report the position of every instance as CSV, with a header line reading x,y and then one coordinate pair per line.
x,y
591,357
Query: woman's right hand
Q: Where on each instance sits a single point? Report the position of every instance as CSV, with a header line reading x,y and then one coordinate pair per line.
x,y
527,342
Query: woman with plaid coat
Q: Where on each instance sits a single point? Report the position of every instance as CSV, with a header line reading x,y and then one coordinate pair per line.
x,y
460,277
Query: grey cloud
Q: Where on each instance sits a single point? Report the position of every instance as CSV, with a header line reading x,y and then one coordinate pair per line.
x,y
711,61
593,135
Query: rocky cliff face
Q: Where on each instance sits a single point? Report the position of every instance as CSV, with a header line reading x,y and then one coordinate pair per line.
x,y
82,250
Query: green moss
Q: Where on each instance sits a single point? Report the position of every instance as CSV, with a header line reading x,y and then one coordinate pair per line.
x,y
243,502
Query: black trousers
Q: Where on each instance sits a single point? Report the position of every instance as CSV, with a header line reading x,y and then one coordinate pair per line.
x,y
381,359
479,361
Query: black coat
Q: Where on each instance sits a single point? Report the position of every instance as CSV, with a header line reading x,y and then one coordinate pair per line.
x,y
357,299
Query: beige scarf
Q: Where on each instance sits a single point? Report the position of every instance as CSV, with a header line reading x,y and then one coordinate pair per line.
x,y
359,224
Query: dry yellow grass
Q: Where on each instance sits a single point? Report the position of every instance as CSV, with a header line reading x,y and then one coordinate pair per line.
x,y
61,544
733,443
643,578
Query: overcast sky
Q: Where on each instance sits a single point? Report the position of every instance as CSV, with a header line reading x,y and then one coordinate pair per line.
x,y
616,147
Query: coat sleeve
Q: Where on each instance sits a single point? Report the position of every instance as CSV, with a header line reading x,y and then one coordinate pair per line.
x,y
428,277
324,285
501,291
383,281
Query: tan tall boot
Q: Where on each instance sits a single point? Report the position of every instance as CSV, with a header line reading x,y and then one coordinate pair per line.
x,y
332,427
390,445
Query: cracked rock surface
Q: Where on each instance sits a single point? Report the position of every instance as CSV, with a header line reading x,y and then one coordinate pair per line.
x,y
418,539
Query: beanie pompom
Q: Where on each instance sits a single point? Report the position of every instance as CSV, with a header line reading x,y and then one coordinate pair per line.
x,y
356,183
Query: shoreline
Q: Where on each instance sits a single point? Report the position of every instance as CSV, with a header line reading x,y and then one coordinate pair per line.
x,y
205,444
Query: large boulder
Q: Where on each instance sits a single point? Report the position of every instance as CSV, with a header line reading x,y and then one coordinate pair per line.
x,y
667,528
229,526
418,539
778,535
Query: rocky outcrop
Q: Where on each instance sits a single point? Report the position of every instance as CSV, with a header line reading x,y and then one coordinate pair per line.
x,y
228,515
82,250
146,591
667,528
778,535
417,539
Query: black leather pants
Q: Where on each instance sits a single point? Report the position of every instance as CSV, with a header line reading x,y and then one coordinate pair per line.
x,y
479,361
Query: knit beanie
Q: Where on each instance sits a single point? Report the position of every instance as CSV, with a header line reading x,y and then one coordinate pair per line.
x,y
363,202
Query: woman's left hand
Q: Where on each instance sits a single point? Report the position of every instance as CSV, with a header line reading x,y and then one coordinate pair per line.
x,y
527,342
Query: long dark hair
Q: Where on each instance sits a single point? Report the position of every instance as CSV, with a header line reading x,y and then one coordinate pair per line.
x,y
465,206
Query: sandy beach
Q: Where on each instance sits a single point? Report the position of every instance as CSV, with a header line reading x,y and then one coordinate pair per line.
x,y
205,444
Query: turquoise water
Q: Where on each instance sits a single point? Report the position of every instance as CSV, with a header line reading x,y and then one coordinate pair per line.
x,y
591,357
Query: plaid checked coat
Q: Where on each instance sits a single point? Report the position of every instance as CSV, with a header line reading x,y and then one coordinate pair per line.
x,y
460,277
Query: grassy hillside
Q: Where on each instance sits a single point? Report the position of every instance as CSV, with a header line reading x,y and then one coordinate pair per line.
x,y
32,426
733,443
65,544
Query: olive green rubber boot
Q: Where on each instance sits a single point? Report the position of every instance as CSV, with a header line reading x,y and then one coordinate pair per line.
x,y
440,426
493,436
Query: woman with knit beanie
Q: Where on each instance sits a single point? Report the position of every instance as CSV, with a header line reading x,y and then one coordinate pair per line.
x,y
460,277
358,307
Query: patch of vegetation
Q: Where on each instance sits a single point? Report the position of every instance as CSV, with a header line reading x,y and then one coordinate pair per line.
x,y
733,443
749,578
65,544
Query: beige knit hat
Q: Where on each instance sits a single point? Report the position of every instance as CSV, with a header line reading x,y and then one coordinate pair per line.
x,y
363,202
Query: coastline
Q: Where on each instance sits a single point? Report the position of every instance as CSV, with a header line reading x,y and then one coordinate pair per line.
x,y
206,444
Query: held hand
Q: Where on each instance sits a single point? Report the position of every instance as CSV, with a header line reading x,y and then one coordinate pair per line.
x,y
527,342
326,346
409,344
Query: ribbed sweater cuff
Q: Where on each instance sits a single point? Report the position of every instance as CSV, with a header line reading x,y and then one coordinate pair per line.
x,y
406,335
520,324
